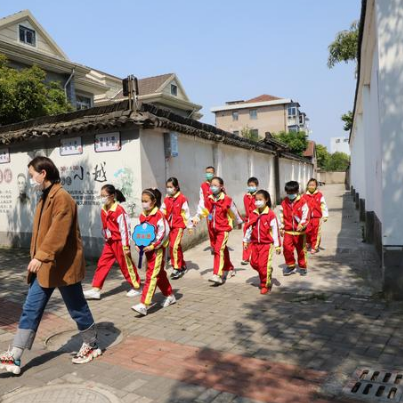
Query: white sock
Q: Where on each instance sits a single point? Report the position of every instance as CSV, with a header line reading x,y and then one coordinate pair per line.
x,y
16,352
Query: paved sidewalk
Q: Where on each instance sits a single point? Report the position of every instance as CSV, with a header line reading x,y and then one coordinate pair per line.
x,y
302,343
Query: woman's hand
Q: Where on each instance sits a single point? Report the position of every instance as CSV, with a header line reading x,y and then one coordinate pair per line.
x,y
127,252
34,266
245,246
300,228
137,248
148,248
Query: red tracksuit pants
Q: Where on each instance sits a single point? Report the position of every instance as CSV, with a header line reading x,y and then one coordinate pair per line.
x,y
246,252
222,260
113,251
210,234
156,276
261,260
292,242
313,237
175,248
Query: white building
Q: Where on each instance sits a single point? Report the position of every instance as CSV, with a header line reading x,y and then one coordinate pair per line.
x,y
339,145
376,139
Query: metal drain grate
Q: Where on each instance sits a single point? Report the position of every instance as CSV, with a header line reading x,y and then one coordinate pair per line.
x,y
376,385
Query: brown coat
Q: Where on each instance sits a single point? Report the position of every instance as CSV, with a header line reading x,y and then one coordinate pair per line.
x,y
56,241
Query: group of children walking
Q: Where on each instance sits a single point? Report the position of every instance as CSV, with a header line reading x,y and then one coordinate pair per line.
x,y
299,229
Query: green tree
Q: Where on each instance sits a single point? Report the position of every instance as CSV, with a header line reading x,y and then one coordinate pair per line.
x,y
345,46
249,134
347,118
297,141
338,162
323,156
24,94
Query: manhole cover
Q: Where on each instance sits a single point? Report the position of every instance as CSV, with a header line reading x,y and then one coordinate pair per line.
x,y
70,340
376,385
62,394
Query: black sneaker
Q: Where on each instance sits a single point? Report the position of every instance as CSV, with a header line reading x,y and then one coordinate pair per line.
x,y
288,271
302,272
175,274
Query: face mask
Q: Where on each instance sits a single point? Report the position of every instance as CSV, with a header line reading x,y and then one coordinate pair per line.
x,y
171,191
259,203
35,185
215,190
252,189
292,197
146,206
104,200
209,176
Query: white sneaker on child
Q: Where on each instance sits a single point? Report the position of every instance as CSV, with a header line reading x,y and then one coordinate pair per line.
x,y
216,279
133,292
170,300
9,364
140,308
92,294
86,354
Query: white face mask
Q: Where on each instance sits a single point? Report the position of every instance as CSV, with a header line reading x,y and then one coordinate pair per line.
x,y
104,200
36,186
259,203
146,206
171,191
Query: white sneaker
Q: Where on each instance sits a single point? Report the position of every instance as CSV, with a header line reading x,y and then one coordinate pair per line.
x,y
9,364
140,308
230,273
86,354
170,300
133,292
92,294
216,279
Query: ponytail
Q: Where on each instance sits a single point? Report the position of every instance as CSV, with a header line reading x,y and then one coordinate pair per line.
x,y
117,194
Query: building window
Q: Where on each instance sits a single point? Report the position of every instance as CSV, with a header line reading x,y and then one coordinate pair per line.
x,y
293,128
27,35
236,132
83,102
235,115
301,119
345,140
253,114
292,111
337,141
174,90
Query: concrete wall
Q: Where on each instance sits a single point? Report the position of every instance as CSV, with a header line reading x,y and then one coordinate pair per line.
x,y
331,177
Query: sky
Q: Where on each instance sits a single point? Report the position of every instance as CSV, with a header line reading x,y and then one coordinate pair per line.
x,y
221,50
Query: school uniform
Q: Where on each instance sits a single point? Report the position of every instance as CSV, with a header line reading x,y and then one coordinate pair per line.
x,y
116,232
156,275
204,193
262,234
292,214
177,213
318,210
249,204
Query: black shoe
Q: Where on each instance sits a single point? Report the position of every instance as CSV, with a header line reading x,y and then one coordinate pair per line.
x,y
175,274
302,272
288,271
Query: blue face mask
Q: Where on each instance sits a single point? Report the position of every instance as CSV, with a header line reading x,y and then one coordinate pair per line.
x,y
215,190
209,176
292,196
252,189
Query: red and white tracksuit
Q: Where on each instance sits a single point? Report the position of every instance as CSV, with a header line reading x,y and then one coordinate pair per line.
x,y
221,213
156,275
263,236
292,214
116,231
177,213
318,210
204,193
249,203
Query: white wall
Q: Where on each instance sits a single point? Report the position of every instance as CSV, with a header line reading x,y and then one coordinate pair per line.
x,y
339,144
357,145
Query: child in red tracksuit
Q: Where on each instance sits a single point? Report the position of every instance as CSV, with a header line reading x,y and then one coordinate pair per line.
x,y
221,213
115,228
318,211
294,218
156,275
249,203
262,236
176,211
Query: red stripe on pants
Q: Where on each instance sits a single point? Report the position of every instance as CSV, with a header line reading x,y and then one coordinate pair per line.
x,y
292,242
246,252
222,260
312,233
113,251
156,276
175,248
261,261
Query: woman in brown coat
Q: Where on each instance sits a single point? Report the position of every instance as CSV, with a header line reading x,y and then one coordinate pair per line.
x,y
57,261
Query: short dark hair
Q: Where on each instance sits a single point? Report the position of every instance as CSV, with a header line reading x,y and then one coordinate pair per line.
x,y
219,180
266,195
253,180
210,167
292,187
46,164
174,182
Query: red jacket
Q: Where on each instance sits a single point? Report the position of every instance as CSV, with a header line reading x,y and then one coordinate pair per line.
x,y
262,228
176,211
294,213
249,203
221,213
204,192
317,204
157,218
115,224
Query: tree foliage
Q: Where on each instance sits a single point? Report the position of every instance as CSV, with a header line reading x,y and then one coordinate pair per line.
x,y
249,134
297,141
322,156
25,94
345,46
336,162
347,118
